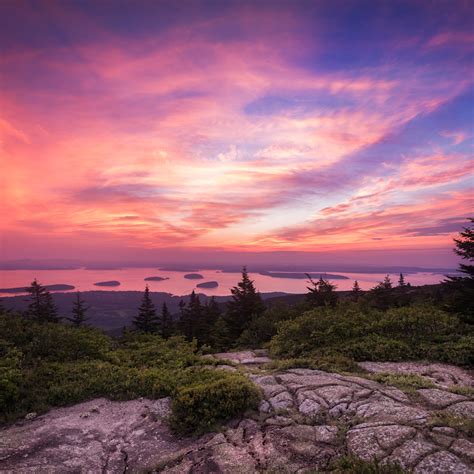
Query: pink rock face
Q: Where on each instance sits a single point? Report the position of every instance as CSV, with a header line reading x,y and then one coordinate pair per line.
x,y
306,420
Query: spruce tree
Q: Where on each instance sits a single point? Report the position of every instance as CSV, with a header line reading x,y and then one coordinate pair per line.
x,y
401,281
465,249
246,304
210,314
166,322
356,291
321,293
383,296
191,313
41,308
146,321
460,297
79,310
387,282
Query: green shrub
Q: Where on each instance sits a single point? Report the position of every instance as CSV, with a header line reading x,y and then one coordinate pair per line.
x,y
63,365
200,407
406,333
462,424
457,351
462,390
406,382
264,327
377,348
328,363
150,350
10,375
54,342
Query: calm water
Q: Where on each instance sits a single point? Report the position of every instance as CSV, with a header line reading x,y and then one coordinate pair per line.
x,y
133,279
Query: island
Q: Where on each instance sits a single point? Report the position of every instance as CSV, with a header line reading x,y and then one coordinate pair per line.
x,y
24,289
193,276
107,283
304,276
208,284
156,278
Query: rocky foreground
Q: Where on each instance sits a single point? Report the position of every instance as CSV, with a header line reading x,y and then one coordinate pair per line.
x,y
307,419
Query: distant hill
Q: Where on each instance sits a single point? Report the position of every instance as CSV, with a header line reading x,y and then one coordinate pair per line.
x,y
112,310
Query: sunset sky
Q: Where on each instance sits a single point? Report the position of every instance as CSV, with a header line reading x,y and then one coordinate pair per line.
x,y
164,129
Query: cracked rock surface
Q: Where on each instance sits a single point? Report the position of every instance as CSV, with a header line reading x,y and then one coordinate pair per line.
x,y
306,420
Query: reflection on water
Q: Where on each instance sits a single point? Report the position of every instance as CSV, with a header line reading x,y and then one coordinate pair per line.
x,y
132,279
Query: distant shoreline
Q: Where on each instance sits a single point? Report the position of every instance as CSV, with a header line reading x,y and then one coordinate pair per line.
x,y
304,276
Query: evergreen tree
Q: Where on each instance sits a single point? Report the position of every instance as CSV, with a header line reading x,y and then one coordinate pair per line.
x,y
212,311
146,320
321,293
166,322
465,249
387,283
356,291
79,310
382,296
210,316
41,308
461,288
220,337
246,304
191,315
401,281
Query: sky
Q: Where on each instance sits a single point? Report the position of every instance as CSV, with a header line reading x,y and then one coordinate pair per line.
x,y
290,131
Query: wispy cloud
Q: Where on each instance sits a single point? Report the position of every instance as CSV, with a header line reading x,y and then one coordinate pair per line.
x,y
235,128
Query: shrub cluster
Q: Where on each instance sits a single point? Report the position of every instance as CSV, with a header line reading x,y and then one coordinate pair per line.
x,y
412,332
46,365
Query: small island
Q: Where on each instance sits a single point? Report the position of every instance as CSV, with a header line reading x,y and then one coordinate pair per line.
x,y
304,276
156,278
23,289
107,283
193,276
208,284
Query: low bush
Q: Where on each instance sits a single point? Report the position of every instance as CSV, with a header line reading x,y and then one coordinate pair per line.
x,y
89,364
413,332
406,382
53,342
328,363
461,424
200,407
10,374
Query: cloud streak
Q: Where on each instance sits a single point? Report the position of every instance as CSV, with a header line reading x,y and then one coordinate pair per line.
x,y
231,127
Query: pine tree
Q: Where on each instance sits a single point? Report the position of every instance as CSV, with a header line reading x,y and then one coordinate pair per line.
x,y
460,298
321,293
401,281
212,310
146,320
246,304
387,282
191,313
210,315
465,249
79,310
166,322
356,291
41,308
383,296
